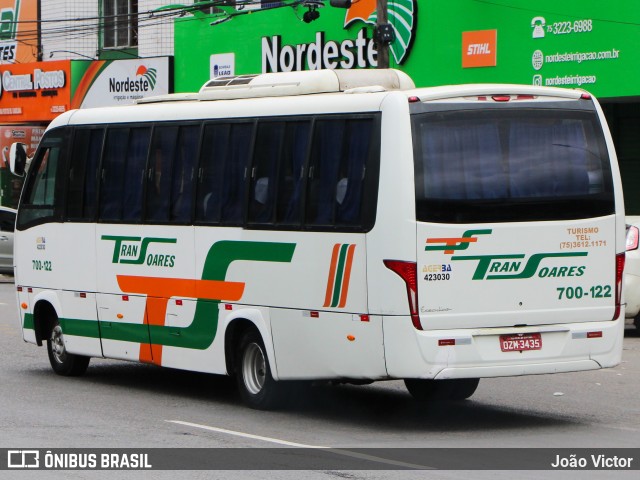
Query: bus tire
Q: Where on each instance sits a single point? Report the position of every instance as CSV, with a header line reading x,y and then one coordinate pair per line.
x,y
257,387
441,390
464,388
63,363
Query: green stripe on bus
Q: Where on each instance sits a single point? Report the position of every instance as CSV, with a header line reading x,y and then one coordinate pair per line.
x,y
70,326
28,321
337,287
202,331
81,328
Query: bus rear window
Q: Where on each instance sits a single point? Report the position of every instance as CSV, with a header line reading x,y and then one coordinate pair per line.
x,y
504,165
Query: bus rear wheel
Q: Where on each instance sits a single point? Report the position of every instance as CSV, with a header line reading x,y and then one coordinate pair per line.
x,y
441,390
63,362
257,387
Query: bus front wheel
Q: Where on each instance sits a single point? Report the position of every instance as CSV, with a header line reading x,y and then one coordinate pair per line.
x,y
257,387
441,390
63,362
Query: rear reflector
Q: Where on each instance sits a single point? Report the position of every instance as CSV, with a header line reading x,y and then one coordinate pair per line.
x,y
586,335
409,273
446,342
632,238
619,272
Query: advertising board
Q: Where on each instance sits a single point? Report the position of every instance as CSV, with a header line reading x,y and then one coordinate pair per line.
x,y
118,82
31,92
574,43
18,31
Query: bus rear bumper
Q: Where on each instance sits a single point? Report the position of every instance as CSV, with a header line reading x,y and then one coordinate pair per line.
x,y
516,370
475,353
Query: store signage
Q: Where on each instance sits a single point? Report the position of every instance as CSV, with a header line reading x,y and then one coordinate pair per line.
x,y
39,80
18,44
34,91
358,53
119,82
479,48
279,40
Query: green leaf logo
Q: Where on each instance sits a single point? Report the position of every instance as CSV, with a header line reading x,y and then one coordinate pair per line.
x,y
150,74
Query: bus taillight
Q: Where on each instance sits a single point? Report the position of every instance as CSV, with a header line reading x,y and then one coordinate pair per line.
x,y
408,272
619,271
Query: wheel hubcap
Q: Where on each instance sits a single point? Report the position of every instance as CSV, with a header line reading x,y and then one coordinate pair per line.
x,y
57,344
254,368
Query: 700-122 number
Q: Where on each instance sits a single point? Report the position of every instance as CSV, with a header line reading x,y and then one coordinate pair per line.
x,y
597,291
42,265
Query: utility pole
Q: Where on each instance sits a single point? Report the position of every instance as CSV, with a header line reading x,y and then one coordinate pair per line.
x,y
383,33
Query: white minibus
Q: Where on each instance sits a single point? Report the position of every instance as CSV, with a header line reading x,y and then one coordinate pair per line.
x,y
327,225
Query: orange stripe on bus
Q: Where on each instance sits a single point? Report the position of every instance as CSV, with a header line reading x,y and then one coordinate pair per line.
x,y
452,242
159,290
145,353
332,275
181,287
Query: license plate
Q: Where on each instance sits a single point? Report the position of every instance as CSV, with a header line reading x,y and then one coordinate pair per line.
x,y
519,343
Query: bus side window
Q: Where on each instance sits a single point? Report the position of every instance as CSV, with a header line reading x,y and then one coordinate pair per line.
x,y
215,144
184,174
341,149
83,174
264,172
327,148
134,174
234,176
163,148
123,166
41,200
291,173
349,189
112,177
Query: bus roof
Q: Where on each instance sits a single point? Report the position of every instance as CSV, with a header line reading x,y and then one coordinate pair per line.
x,y
324,92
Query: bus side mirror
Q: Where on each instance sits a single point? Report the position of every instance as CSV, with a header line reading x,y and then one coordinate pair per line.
x,y
18,158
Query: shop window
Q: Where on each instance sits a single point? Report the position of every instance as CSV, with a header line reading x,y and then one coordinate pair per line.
x,y
120,23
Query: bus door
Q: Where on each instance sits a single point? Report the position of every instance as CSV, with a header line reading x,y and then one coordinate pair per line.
x,y
142,268
58,262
